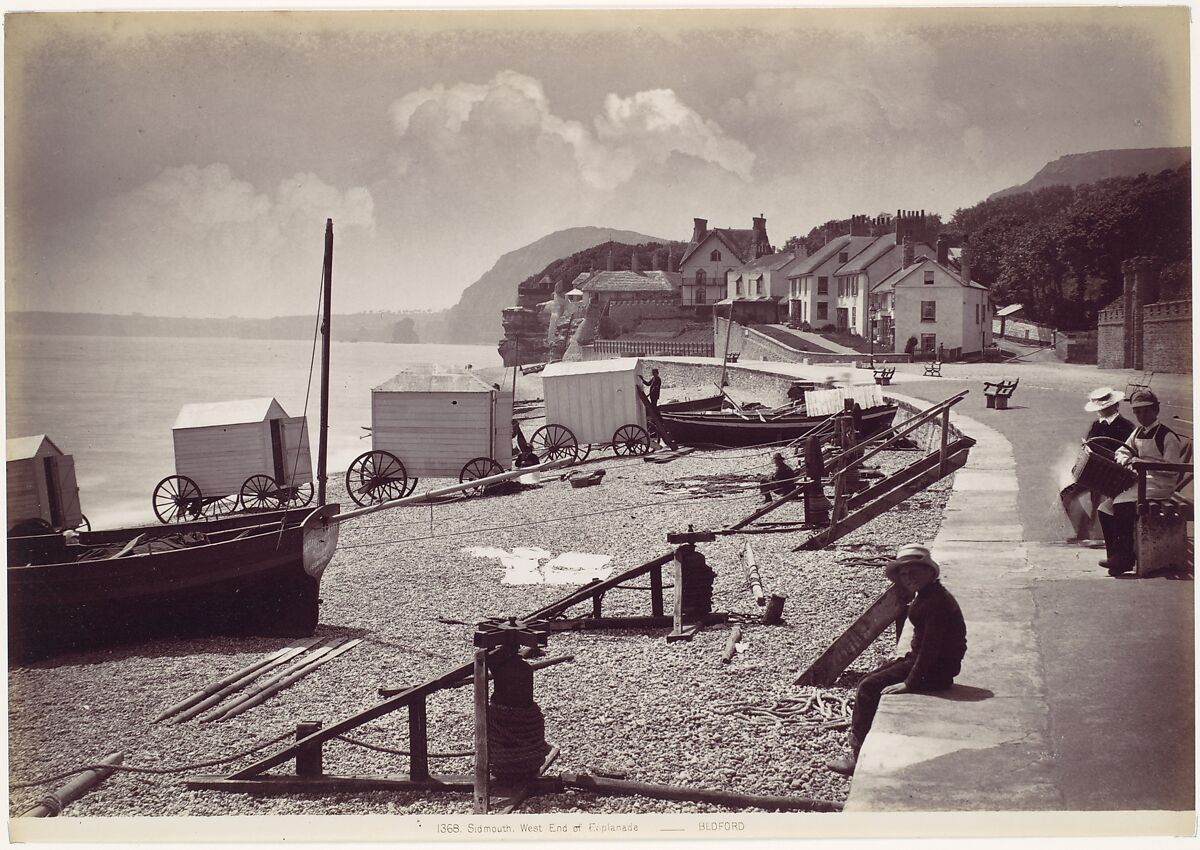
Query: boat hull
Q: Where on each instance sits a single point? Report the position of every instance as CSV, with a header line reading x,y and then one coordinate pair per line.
x,y
725,429
242,577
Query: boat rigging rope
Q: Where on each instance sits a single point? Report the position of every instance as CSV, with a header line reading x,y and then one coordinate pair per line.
x,y
380,749
153,770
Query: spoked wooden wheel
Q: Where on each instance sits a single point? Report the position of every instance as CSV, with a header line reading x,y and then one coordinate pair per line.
x,y
555,442
480,467
376,477
631,440
177,499
298,496
84,524
221,506
261,493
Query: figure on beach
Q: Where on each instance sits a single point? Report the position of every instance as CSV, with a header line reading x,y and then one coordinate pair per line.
x,y
655,385
939,642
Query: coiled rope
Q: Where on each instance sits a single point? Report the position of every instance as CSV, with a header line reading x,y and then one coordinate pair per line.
x,y
827,711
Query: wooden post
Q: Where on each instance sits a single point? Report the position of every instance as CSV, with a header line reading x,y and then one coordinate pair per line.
x,y
774,612
596,604
656,592
482,777
308,758
942,450
418,741
678,594
323,437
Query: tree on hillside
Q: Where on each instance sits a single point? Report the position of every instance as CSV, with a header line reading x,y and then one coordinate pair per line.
x,y
405,330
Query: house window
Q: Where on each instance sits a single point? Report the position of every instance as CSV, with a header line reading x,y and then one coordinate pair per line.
x,y
854,286
844,257
823,310
929,276
929,343
854,316
700,277
976,314
822,286
738,286
928,311
758,286
715,256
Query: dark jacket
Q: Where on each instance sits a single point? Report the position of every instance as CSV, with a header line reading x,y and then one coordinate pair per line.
x,y
939,639
1119,429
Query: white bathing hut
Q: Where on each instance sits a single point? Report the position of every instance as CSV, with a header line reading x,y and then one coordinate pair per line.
x,y
221,445
594,398
41,485
436,419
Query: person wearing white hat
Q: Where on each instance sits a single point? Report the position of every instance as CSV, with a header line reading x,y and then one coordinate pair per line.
x,y
939,642
1108,429
1152,441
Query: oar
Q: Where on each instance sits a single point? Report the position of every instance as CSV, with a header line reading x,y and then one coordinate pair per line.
x,y
216,686
285,655
266,683
263,694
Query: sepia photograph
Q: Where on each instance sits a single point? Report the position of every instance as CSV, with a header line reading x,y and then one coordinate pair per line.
x,y
601,424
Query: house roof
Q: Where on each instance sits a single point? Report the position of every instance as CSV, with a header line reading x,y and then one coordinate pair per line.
x,y
744,299
629,281
1010,309
822,255
898,275
587,367
434,378
741,242
23,448
769,262
228,413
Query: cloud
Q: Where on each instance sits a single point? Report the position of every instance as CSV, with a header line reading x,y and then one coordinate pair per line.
x,y
449,127
201,241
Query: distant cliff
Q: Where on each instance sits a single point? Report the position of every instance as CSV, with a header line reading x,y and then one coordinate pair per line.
x,y
476,317
1079,168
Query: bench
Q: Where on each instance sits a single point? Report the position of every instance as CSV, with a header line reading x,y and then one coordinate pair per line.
x,y
933,369
999,392
1142,383
883,376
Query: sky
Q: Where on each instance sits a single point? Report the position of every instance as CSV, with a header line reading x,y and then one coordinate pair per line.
x,y
185,163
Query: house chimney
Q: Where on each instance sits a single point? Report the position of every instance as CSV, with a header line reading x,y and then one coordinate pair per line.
x,y
633,262
909,252
943,249
699,229
654,260
609,267
858,225
964,273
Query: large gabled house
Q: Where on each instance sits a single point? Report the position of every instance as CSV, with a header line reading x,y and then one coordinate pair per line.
x,y
811,296
928,300
757,291
876,261
712,254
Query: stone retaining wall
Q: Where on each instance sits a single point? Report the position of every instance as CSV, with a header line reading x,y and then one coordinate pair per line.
x,y
1167,337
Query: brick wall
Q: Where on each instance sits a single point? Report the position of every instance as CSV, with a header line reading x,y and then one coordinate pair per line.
x,y
1110,338
1167,337
1077,347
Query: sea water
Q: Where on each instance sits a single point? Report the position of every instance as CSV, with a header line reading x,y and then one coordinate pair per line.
x,y
110,402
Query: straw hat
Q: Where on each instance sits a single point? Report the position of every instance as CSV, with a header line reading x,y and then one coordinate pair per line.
x,y
911,555
1102,398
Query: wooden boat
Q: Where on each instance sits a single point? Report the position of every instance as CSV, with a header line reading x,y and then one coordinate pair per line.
x,y
703,422
247,574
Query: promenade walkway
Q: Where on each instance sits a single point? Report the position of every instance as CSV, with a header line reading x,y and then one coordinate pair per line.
x,y
1077,692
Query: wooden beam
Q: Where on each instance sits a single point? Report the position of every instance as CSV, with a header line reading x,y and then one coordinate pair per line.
x,y
589,590
277,784
418,740
884,611
604,785
482,776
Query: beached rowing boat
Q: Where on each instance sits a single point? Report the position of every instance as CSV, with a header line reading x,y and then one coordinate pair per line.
x,y
252,574
702,422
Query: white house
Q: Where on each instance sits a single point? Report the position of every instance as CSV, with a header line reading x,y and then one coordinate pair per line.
x,y
811,298
943,309
711,254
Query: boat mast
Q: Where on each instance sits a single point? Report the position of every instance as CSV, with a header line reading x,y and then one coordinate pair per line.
x,y
323,435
